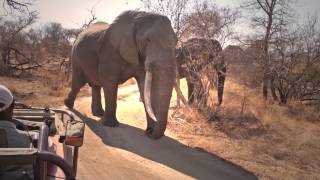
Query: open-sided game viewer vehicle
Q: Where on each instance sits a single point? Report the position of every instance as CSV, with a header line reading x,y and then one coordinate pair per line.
x,y
54,149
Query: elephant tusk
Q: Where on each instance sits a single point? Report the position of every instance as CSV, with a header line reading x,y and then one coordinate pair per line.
x,y
222,73
147,95
179,92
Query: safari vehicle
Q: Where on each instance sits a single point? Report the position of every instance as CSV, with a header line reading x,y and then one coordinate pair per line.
x,y
54,154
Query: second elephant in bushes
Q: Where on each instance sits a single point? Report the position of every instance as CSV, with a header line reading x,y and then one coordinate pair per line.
x,y
197,55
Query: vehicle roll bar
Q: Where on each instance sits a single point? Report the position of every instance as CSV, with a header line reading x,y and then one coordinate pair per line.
x,y
14,156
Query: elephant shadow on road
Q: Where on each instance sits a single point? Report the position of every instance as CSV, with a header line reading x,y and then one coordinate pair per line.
x,y
169,152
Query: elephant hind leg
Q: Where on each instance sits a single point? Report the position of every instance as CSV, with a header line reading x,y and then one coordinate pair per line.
x,y
110,94
78,81
96,106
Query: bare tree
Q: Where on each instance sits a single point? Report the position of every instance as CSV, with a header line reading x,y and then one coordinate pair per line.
x,y
72,34
174,10
209,21
296,64
270,16
12,41
21,6
55,40
91,20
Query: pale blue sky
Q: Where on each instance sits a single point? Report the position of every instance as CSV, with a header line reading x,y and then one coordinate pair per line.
x,y
72,13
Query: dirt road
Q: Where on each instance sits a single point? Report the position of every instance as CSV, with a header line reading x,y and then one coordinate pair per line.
x,y
126,153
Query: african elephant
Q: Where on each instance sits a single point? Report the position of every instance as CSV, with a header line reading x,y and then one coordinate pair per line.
x,y
137,44
196,54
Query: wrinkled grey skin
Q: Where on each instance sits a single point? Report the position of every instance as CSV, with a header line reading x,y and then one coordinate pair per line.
x,y
137,44
192,49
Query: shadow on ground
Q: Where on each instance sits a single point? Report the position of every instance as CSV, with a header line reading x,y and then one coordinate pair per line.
x,y
195,163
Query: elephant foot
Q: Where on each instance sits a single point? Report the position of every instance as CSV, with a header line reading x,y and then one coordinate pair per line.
x,y
148,132
98,113
68,103
110,122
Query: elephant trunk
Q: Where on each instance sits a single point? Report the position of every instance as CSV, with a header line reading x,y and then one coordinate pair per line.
x,y
221,80
157,94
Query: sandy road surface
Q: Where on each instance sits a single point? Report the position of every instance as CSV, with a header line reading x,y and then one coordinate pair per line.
x,y
126,153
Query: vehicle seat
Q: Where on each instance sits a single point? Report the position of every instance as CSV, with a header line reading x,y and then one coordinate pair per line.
x,y
3,143
3,138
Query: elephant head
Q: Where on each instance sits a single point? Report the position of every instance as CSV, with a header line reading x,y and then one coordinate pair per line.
x,y
146,42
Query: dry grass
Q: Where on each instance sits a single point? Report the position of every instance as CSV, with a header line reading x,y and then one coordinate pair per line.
x,y
272,141
41,88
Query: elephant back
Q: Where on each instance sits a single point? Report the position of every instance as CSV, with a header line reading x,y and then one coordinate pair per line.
x,y
203,49
93,30
197,53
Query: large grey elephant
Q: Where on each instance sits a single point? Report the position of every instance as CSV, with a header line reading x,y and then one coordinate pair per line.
x,y
196,54
137,44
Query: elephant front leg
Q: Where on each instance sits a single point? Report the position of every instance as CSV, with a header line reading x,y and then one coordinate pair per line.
x,y
150,122
110,94
96,106
221,81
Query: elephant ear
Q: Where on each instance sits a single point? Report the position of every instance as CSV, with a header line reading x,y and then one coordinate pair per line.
x,y
121,36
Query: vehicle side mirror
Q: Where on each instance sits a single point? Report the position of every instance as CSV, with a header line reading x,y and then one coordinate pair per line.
x,y
74,133
71,129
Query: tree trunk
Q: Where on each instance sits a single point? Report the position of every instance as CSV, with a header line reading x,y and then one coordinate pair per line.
x,y
266,58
